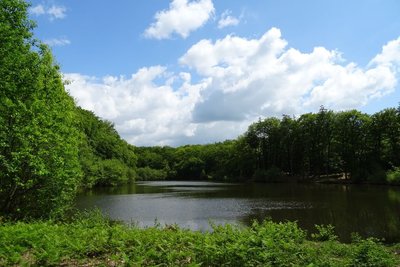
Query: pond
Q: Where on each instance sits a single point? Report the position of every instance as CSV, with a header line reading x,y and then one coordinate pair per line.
x,y
368,210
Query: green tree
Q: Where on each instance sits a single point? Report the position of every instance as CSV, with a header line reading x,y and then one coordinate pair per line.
x,y
39,167
309,143
325,121
264,138
105,158
386,129
351,134
243,160
288,147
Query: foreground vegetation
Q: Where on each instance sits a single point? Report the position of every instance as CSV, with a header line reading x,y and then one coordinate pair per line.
x,y
93,240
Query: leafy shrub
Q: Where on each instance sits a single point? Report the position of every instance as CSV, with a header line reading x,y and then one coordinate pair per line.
x,y
325,233
393,177
370,252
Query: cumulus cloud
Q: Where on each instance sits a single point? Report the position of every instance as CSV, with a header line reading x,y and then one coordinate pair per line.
x,y
53,11
37,10
262,77
390,55
181,18
227,20
240,80
57,42
143,111
57,12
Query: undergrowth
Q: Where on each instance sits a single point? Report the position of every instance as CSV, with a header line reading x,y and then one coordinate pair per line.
x,y
91,240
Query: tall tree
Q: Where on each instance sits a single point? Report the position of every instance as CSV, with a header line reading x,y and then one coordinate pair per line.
x,y
289,141
39,168
351,133
388,123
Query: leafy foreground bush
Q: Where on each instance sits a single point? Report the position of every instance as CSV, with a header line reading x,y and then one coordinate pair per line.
x,y
98,242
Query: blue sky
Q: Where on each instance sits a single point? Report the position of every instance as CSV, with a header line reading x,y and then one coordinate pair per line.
x,y
177,72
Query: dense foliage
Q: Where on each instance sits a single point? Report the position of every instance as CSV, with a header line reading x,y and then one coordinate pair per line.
x,y
39,167
47,144
95,241
349,145
187,162
105,158
352,144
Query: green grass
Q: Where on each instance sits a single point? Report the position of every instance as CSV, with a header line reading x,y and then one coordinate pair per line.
x,y
95,241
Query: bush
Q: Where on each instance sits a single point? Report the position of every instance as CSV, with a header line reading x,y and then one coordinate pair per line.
x,y
393,177
325,233
370,252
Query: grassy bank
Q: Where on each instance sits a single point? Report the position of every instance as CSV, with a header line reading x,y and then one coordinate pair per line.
x,y
94,241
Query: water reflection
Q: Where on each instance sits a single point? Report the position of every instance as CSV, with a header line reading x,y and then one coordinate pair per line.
x,y
369,210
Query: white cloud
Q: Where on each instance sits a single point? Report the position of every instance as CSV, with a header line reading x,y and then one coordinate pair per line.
x,y
57,12
181,18
390,55
263,77
57,42
240,80
227,20
53,12
144,112
37,10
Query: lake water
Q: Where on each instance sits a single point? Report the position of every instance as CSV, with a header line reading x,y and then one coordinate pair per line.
x,y
368,210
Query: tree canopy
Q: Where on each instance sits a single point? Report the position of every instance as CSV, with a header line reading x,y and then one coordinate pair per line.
x,y
39,167
351,145
49,147
105,158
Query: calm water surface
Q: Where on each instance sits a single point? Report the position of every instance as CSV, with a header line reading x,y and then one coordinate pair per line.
x,y
368,210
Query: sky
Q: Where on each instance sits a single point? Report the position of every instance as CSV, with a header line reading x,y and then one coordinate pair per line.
x,y
201,71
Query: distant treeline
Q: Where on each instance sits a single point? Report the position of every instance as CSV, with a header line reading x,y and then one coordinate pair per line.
x,y
350,145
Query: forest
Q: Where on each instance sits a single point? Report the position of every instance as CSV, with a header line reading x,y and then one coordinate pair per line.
x,y
50,149
333,146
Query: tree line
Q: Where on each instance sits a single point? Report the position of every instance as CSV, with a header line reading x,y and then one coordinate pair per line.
x,y
350,145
